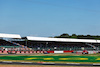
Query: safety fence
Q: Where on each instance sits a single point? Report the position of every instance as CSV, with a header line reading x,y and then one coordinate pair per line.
x,y
32,52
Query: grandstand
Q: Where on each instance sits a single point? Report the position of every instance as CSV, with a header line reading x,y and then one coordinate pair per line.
x,y
18,43
5,42
40,43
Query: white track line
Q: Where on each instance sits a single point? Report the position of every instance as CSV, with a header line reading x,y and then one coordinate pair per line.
x,y
25,62
72,63
7,61
48,63
96,63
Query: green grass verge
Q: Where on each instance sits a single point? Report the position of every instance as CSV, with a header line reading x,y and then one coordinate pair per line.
x,y
93,58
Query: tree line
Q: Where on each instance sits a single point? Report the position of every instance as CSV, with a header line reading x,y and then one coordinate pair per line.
x,y
66,35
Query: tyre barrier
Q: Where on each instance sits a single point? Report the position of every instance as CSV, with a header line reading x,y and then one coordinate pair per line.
x,y
13,52
34,51
38,52
31,52
0,51
26,52
5,52
9,52
17,52
41,52
22,52
79,52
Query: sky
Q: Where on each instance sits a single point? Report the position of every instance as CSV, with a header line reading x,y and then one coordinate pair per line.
x,y
48,18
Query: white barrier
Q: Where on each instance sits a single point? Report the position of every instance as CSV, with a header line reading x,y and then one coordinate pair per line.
x,y
92,52
58,52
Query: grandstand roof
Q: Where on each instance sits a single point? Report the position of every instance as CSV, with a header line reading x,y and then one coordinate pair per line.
x,y
3,35
62,39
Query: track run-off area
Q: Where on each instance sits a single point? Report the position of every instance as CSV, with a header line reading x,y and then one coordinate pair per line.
x,y
53,58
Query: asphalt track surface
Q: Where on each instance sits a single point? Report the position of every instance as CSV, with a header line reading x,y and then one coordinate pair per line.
x,y
44,63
